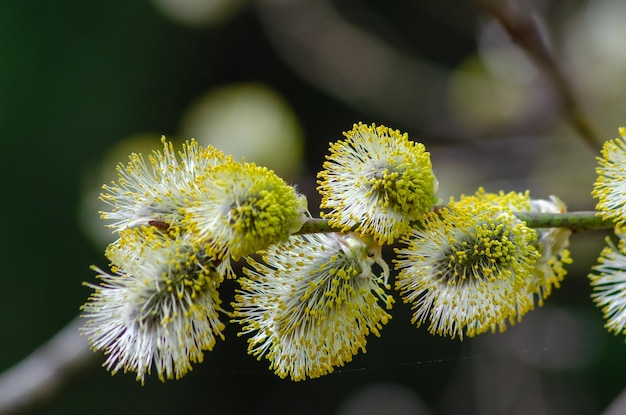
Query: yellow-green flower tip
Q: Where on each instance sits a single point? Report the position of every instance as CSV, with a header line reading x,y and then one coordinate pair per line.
x,y
376,181
246,208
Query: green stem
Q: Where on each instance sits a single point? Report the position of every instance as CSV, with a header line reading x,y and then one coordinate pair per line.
x,y
577,222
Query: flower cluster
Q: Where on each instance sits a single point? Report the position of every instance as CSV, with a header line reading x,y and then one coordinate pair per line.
x,y
609,275
313,290
161,308
609,281
180,219
610,186
376,182
473,265
312,302
551,243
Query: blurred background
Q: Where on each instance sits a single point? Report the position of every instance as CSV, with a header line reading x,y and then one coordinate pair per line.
x,y
83,84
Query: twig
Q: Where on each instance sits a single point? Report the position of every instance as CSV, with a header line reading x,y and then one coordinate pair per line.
x,y
577,222
40,377
526,30
618,406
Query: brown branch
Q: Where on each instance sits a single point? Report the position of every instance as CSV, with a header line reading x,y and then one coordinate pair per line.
x,y
45,373
526,31
618,406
